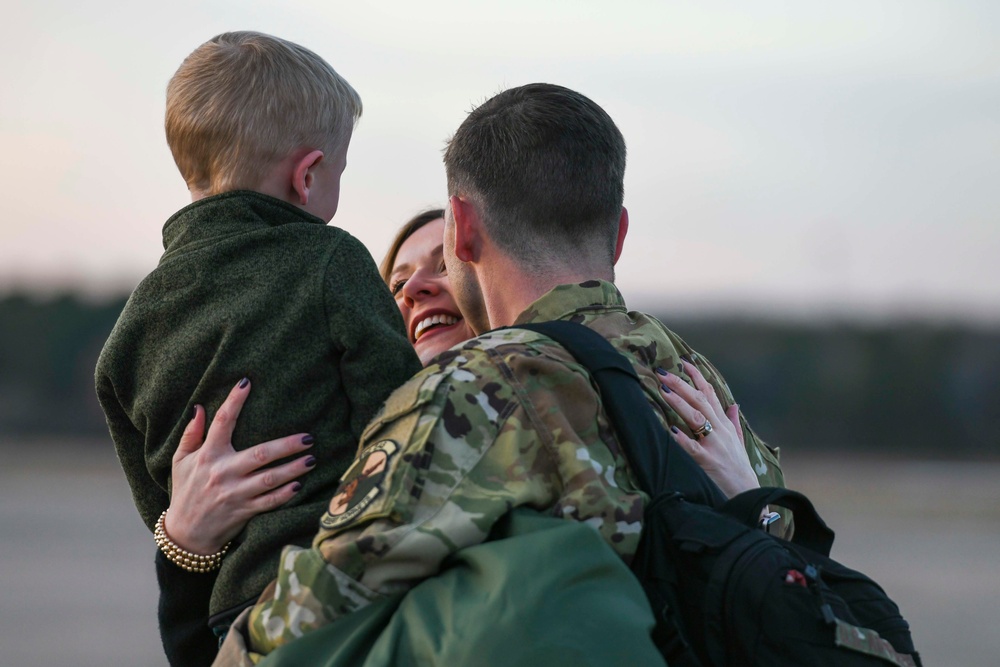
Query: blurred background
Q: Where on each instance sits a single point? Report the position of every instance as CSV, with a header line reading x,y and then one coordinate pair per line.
x,y
813,203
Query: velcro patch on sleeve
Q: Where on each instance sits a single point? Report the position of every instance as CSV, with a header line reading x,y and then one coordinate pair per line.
x,y
361,485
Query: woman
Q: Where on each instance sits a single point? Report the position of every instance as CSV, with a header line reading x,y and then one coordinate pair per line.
x,y
415,273
217,490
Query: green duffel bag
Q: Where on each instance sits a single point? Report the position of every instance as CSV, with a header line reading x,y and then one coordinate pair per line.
x,y
544,591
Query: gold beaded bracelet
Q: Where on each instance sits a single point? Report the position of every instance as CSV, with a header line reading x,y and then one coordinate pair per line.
x,y
191,562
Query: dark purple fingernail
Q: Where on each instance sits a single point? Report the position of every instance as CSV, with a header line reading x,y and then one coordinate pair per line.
x,y
296,487
311,461
666,390
307,440
194,411
244,382
673,429
661,371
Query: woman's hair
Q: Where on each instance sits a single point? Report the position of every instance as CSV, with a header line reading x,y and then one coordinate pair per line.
x,y
405,232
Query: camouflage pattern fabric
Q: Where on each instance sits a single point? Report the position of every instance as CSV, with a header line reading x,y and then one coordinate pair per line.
x,y
869,642
504,420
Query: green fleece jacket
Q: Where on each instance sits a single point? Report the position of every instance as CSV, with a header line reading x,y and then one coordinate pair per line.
x,y
252,286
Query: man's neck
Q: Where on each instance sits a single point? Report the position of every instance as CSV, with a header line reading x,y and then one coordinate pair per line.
x,y
510,289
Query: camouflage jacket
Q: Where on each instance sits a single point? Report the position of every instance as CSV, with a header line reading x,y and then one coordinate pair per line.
x,y
503,420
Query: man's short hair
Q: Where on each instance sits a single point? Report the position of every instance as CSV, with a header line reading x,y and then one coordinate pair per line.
x,y
245,100
546,165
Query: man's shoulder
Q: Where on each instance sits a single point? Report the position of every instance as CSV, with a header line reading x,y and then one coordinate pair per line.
x,y
463,392
462,375
531,353
640,334
490,357
482,371
652,344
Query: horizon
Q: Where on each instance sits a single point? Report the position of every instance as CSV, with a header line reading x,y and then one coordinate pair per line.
x,y
730,310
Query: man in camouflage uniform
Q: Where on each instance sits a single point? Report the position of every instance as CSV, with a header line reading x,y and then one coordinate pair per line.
x,y
508,419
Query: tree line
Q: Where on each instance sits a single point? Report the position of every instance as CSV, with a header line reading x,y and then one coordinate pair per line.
x,y
900,388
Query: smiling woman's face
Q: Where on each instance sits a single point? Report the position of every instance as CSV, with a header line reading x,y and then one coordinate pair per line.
x,y
419,283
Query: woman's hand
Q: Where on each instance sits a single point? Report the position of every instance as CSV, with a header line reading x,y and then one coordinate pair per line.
x,y
721,453
216,489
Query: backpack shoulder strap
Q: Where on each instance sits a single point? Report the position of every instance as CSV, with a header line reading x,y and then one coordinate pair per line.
x,y
659,464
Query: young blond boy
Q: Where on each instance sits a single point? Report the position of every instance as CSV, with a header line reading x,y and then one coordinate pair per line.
x,y
254,283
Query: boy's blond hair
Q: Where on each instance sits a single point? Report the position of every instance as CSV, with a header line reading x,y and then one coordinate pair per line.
x,y
243,101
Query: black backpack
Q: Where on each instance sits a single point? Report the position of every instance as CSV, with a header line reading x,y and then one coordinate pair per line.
x,y
725,592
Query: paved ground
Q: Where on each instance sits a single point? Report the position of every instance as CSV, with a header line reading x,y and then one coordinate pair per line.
x,y
78,585
76,563
930,534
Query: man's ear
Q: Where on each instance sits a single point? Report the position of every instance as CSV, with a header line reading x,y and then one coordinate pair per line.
x,y
468,229
622,231
303,175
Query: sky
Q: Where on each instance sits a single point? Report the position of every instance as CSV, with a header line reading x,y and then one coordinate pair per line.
x,y
803,159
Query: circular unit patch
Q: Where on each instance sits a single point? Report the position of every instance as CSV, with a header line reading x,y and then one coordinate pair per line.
x,y
360,485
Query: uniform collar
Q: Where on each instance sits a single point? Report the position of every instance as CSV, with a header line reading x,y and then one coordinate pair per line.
x,y
566,300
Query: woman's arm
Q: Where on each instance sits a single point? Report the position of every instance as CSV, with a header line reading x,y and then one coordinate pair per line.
x,y
187,639
215,491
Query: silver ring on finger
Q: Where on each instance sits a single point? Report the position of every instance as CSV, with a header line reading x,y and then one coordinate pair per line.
x,y
703,430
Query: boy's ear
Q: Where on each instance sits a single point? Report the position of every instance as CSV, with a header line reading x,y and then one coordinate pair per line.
x,y
622,231
303,175
468,229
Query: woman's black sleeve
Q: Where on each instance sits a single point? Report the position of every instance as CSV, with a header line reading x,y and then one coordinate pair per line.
x,y
183,614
